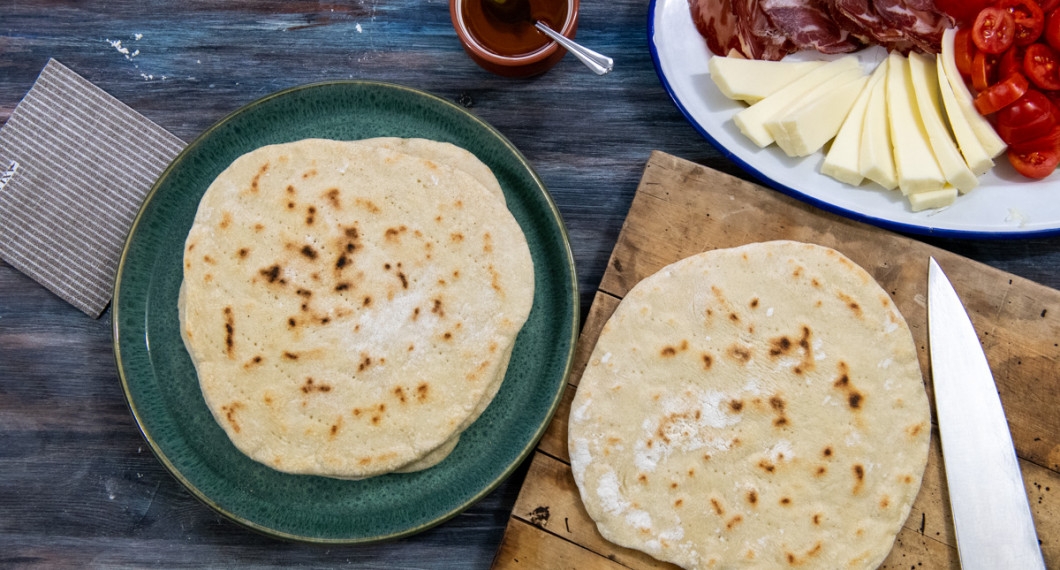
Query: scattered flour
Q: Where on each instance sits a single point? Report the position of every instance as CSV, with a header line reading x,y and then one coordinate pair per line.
x,y
610,495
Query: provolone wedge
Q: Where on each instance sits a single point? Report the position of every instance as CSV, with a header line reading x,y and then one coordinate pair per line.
x,y
876,161
751,120
978,160
925,88
932,199
982,128
844,156
918,171
806,129
752,80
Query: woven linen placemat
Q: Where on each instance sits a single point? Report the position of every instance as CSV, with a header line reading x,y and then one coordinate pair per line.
x,y
75,166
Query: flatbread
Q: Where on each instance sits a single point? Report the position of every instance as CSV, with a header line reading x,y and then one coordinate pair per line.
x,y
760,406
349,308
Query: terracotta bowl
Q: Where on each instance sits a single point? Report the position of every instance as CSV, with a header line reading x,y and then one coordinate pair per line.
x,y
511,64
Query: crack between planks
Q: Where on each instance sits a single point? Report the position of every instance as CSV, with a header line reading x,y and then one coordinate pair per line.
x,y
563,538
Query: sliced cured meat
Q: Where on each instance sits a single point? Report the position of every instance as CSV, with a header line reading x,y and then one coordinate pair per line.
x,y
762,37
859,17
741,26
716,22
809,25
918,20
771,29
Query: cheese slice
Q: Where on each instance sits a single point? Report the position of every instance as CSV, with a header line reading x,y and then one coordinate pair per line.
x,y
932,199
984,131
918,171
926,89
752,80
751,120
876,161
843,160
806,129
975,156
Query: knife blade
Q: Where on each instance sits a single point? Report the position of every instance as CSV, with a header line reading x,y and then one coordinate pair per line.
x,y
987,497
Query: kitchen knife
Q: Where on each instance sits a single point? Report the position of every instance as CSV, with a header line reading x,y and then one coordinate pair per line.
x,y
987,497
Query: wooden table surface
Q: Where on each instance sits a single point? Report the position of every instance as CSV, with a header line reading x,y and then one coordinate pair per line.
x,y
78,484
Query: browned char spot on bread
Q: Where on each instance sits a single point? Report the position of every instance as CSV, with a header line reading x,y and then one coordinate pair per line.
x,y
230,326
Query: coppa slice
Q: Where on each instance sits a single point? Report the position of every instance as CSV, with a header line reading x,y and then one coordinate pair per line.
x,y
741,391
348,307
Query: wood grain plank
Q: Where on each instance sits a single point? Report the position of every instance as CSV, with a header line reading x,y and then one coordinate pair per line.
x,y
528,547
550,502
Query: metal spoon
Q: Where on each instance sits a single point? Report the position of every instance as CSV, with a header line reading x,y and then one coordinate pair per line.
x,y
519,11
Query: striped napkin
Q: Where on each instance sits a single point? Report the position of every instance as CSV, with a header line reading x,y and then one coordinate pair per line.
x,y
75,166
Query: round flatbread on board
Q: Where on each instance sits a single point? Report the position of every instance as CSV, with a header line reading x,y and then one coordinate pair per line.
x,y
350,308
760,406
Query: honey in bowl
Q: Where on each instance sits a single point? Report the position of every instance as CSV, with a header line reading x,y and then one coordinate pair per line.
x,y
507,43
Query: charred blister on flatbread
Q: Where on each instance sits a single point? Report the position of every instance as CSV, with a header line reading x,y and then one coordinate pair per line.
x,y
272,274
230,325
310,385
853,396
255,183
366,204
739,353
332,196
672,350
230,414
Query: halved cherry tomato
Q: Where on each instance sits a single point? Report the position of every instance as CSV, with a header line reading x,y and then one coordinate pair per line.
x,y
1035,163
1028,17
964,51
1011,61
984,70
994,30
1030,117
1054,96
1002,94
1050,140
1052,29
1042,66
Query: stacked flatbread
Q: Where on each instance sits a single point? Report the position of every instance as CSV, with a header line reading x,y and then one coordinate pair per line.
x,y
760,406
350,306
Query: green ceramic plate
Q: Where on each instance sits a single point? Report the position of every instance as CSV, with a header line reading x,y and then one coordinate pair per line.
x,y
159,379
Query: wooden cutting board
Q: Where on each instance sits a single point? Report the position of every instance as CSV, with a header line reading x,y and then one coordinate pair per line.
x,y
681,209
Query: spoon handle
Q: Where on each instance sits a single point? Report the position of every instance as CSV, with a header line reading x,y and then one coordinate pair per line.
x,y
599,63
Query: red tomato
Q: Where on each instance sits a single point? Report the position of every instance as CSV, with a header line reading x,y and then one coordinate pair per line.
x,y
1052,29
1054,96
994,30
1050,140
1048,5
1028,17
1042,65
1011,61
964,11
1035,163
1028,118
964,51
984,70
1001,95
